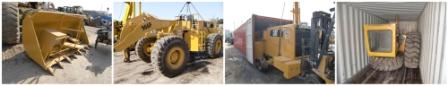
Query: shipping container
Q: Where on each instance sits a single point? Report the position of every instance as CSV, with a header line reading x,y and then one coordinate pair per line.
x,y
428,18
251,31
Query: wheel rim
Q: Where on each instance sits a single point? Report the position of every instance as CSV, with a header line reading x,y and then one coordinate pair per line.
x,y
147,48
218,45
175,57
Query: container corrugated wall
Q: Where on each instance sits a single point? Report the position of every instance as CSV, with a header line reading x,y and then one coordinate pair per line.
x,y
239,37
351,56
432,25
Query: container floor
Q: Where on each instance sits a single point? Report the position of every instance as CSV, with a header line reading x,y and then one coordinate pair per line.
x,y
401,76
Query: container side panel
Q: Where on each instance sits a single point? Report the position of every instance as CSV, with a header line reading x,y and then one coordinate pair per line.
x,y
432,26
350,49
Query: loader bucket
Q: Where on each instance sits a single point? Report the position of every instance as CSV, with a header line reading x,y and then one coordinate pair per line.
x,y
51,37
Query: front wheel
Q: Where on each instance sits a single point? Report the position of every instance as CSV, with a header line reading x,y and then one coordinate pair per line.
x,y
170,55
143,49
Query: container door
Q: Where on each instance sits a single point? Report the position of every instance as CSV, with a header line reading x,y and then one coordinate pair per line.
x,y
249,43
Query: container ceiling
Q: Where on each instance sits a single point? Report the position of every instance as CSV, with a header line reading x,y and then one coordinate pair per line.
x,y
407,11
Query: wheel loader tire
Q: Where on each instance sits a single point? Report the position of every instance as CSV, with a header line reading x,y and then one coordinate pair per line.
x,y
141,49
386,63
261,64
214,45
412,50
170,55
10,23
96,42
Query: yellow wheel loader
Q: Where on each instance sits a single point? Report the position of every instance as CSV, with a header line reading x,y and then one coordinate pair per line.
x,y
298,50
48,37
168,44
389,49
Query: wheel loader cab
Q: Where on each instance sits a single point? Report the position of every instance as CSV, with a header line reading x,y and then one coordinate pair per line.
x,y
380,40
279,44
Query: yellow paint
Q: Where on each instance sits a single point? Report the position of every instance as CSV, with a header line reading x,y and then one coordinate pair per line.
x,y
46,34
175,57
281,48
195,42
148,26
402,45
133,31
289,66
322,67
371,27
283,45
258,51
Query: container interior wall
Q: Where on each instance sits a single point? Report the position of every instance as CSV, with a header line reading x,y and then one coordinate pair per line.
x,y
432,26
351,56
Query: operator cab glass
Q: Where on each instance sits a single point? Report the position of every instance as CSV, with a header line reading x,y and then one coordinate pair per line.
x,y
380,40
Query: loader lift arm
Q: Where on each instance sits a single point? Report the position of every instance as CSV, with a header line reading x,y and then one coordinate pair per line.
x,y
144,25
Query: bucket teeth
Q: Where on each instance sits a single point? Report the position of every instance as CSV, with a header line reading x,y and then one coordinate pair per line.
x,y
58,64
80,52
73,56
67,59
51,71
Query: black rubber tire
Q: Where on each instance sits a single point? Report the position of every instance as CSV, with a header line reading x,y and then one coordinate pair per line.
x,y
10,23
96,42
386,63
412,50
139,49
306,68
261,64
160,51
211,41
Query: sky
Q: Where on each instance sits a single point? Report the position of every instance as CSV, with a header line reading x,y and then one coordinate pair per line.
x,y
237,12
90,5
169,10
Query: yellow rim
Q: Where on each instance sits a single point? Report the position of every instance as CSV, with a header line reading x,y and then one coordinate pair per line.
x,y
147,48
218,45
175,57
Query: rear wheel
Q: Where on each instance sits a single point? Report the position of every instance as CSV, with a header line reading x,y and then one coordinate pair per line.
x,y
10,23
214,46
143,49
170,55
261,64
412,50
386,63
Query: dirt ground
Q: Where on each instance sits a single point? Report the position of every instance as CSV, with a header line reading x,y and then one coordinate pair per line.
x,y
94,67
240,71
205,71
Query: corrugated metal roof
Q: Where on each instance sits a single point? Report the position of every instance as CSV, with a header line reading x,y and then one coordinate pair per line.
x,y
388,10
